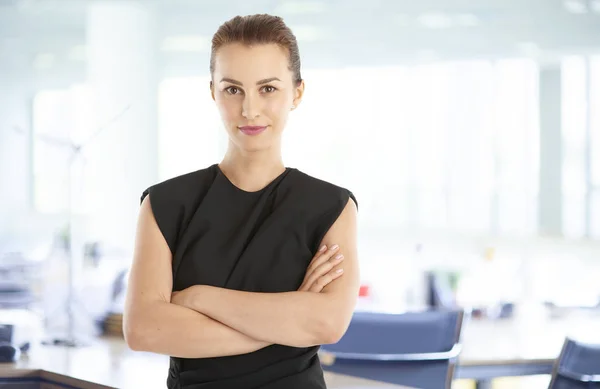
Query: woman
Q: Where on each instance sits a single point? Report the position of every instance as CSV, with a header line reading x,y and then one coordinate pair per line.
x,y
237,271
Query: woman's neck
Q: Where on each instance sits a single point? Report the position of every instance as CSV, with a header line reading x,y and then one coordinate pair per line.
x,y
251,171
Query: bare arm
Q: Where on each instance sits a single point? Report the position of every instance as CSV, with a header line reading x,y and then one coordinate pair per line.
x,y
298,319
151,323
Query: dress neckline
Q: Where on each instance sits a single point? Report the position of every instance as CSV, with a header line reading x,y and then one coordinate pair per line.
x,y
238,189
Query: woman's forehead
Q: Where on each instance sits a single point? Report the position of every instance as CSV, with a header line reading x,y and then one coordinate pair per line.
x,y
251,63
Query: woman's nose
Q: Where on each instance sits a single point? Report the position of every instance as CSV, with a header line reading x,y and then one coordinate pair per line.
x,y
250,108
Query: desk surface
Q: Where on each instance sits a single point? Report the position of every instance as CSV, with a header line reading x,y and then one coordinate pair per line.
x,y
520,346
108,363
524,340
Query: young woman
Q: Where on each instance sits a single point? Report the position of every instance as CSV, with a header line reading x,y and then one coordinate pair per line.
x,y
242,269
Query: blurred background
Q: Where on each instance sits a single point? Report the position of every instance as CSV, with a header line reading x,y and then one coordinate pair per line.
x,y
469,132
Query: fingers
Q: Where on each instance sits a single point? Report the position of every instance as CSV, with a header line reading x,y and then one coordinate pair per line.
x,y
325,280
322,256
321,267
324,268
318,255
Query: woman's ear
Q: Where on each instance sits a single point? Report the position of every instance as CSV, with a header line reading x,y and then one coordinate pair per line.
x,y
298,93
212,90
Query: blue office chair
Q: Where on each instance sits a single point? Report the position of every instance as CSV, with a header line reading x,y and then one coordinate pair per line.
x,y
577,367
417,349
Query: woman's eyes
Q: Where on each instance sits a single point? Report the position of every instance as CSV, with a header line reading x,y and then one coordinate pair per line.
x,y
232,90
271,88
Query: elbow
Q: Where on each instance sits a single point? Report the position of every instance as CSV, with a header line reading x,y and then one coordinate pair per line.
x,y
134,334
332,331
133,340
316,332
333,336
333,321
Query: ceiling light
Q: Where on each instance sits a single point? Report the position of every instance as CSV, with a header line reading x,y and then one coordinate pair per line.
x,y
185,43
435,20
575,6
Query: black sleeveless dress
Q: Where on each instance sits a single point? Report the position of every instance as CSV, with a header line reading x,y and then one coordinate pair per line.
x,y
260,241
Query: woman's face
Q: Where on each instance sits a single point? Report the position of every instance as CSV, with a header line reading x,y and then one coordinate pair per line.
x,y
254,91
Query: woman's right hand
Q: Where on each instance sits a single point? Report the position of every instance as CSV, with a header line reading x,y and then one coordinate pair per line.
x,y
321,271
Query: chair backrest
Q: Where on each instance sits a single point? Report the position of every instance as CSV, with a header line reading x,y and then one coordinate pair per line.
x,y
417,349
577,367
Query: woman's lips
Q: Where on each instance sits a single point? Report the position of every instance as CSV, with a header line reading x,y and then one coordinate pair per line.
x,y
252,130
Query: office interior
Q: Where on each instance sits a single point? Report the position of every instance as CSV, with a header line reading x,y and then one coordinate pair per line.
x,y
468,131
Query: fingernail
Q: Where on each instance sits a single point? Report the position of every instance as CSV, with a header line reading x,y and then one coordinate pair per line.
x,y
323,248
335,247
338,271
339,257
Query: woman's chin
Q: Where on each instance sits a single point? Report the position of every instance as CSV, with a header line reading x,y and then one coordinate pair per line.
x,y
255,143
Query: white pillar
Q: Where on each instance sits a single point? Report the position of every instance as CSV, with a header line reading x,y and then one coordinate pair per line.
x,y
122,73
551,155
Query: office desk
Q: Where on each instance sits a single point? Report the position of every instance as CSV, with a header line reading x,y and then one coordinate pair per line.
x,y
519,347
108,363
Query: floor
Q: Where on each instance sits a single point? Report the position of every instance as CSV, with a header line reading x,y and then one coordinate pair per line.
x,y
533,382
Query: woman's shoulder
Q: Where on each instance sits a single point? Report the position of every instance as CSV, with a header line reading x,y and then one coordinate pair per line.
x,y
319,190
184,185
315,183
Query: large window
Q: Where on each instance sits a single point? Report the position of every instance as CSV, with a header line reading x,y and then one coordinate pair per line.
x,y
581,146
445,146
517,138
61,119
51,128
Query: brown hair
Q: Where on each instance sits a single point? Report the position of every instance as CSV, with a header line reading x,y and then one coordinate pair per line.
x,y
258,29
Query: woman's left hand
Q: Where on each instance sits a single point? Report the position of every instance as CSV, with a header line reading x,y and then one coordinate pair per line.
x,y
320,272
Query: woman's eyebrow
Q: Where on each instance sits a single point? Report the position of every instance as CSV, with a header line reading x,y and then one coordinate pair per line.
x,y
236,82
267,80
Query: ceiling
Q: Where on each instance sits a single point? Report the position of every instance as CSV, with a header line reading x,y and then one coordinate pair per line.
x,y
50,34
